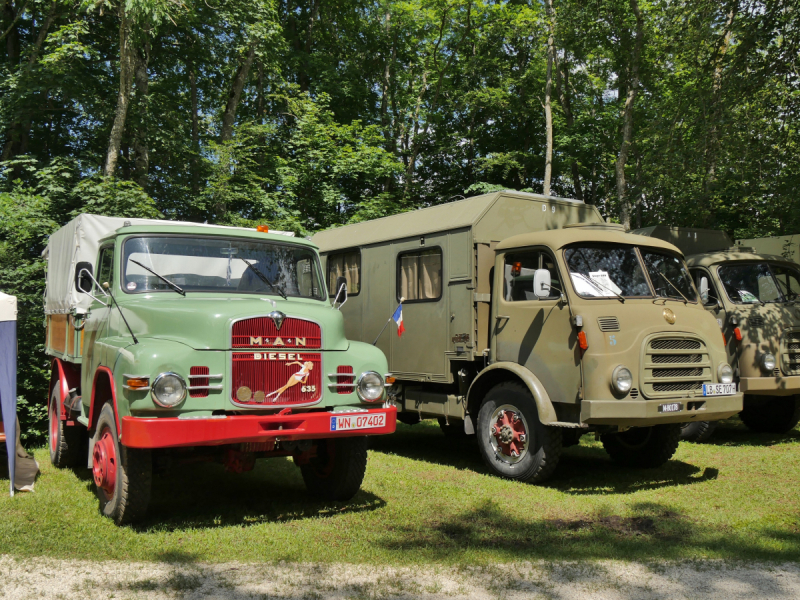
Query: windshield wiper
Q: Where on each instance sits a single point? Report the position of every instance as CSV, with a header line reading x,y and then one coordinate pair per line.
x,y
665,278
263,278
174,286
599,286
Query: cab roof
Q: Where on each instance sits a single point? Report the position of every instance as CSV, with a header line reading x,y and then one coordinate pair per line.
x,y
595,233
731,255
183,228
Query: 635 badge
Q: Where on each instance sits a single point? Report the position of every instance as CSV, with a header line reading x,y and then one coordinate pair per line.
x,y
276,378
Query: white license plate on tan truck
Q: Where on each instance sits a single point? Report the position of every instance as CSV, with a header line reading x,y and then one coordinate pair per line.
x,y
719,389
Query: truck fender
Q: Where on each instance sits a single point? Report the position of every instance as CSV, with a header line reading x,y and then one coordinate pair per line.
x,y
505,371
67,378
103,378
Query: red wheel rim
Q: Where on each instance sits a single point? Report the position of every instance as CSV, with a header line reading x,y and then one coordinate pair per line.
x,y
510,433
53,428
104,462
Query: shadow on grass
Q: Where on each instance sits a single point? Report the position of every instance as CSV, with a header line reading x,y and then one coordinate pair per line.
x,y
732,432
651,530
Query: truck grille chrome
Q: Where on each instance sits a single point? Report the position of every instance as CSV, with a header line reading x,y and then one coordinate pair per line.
x,y
790,352
668,369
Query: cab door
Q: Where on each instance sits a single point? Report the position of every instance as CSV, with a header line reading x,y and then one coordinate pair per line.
x,y
535,332
716,306
96,322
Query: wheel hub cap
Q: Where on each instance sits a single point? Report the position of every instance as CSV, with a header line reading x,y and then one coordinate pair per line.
x,y
104,462
510,434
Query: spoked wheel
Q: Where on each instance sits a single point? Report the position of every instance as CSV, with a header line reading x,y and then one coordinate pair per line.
x,y
770,414
698,431
122,476
513,442
64,442
644,447
338,469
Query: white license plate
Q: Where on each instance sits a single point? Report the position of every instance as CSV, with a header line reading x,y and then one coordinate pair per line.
x,y
719,389
348,422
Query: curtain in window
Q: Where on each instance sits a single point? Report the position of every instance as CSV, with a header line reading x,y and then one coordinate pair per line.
x,y
348,266
421,275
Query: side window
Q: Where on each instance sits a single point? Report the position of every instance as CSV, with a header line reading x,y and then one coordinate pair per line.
x,y
697,275
788,281
105,266
347,265
518,272
419,275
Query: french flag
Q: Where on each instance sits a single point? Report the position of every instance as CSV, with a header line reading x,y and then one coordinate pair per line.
x,y
398,318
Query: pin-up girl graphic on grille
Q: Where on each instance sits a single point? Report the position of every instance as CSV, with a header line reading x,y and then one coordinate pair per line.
x,y
300,377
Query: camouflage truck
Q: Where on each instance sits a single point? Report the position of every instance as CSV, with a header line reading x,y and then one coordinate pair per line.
x,y
755,298
529,321
174,342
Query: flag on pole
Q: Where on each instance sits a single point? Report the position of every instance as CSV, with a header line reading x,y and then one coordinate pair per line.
x,y
398,318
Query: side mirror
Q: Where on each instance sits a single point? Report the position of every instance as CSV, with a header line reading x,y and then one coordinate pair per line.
x,y
541,283
704,289
83,277
341,291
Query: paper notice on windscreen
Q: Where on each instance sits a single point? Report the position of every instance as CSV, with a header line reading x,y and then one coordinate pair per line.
x,y
602,279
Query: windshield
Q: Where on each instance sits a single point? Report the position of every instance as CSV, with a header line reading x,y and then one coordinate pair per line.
x,y
749,283
215,265
668,276
788,280
602,270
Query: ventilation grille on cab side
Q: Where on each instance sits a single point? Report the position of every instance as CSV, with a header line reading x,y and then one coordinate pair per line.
x,y
608,323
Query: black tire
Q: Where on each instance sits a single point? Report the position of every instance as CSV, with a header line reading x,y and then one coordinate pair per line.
x,y
771,414
543,446
127,501
64,441
643,447
698,431
338,469
452,429
409,418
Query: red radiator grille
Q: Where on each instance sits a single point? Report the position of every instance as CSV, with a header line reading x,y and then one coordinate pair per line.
x,y
197,381
261,332
345,375
257,375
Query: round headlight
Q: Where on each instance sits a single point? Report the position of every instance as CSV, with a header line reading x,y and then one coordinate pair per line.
x,y
725,373
622,380
169,390
767,362
370,386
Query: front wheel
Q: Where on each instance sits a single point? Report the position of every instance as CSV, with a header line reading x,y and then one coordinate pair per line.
x,y
338,469
64,441
513,442
122,476
698,431
768,414
643,447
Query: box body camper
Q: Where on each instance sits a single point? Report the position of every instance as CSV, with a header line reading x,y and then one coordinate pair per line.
x,y
178,341
530,321
755,298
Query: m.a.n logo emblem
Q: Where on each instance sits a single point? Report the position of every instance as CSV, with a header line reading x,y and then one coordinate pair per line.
x,y
262,341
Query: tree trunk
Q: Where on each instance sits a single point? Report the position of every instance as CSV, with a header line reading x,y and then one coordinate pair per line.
x,y
566,106
126,68
548,112
195,130
141,151
305,78
627,119
229,116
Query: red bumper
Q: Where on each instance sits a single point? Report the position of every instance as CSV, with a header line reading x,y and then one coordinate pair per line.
x,y
173,432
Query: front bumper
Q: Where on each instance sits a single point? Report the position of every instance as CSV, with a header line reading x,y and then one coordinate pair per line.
x,y
643,413
770,386
172,432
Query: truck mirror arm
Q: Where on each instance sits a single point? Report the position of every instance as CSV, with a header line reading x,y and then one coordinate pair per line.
x,y
99,287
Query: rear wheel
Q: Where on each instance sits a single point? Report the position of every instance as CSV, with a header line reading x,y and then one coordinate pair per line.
x,y
338,469
644,447
698,431
771,414
64,440
122,476
513,442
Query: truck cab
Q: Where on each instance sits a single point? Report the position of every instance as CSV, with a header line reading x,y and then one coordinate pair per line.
x,y
529,322
178,341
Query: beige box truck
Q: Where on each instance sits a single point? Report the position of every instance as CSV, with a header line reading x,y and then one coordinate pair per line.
x,y
529,321
755,298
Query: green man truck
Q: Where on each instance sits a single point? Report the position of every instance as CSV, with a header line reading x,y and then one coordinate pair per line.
x,y
530,321
755,298
178,341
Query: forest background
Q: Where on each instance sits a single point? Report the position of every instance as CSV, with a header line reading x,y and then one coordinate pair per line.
x,y
307,114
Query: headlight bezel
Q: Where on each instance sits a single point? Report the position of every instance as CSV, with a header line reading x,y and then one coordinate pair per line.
x,y
615,380
720,377
764,361
154,388
380,385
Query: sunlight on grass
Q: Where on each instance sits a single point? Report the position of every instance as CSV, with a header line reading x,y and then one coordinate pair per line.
x,y
429,499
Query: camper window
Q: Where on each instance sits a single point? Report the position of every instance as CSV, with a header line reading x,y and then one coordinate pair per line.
x,y
347,265
519,271
419,275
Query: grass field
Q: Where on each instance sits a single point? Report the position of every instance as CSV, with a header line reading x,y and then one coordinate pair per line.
x,y
428,500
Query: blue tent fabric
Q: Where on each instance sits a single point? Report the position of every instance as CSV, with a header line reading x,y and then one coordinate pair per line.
x,y
8,391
